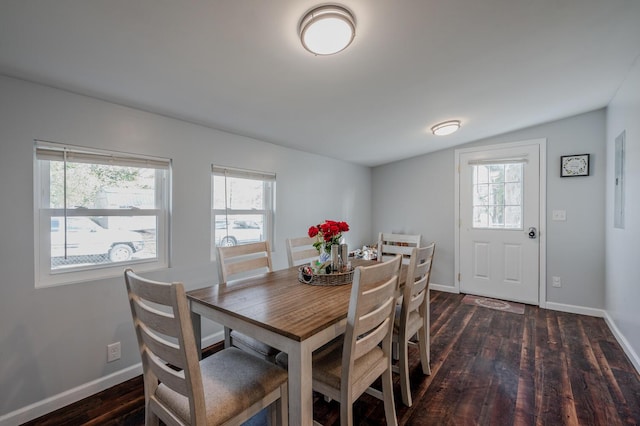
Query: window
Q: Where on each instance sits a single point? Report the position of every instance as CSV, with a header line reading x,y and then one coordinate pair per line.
x,y
243,206
97,211
497,196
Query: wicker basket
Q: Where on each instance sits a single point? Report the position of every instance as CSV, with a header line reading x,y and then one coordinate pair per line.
x,y
335,278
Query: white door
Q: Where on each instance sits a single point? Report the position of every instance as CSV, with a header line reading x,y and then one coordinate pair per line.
x,y
499,210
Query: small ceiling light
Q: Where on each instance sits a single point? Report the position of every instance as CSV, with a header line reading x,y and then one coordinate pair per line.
x,y
327,29
445,128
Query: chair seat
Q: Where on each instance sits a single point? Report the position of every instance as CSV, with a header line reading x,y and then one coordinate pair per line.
x,y
245,342
233,380
327,367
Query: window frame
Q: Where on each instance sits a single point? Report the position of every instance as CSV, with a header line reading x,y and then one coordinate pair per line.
x,y
269,196
47,151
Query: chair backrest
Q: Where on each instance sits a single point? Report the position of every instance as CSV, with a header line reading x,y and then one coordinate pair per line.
x,y
162,322
417,283
391,244
300,250
245,260
369,321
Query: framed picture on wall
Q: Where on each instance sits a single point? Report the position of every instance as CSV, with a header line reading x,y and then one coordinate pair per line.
x,y
574,165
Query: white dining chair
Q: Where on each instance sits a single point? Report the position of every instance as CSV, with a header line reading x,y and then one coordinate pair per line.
x,y
242,261
225,388
300,250
412,317
346,369
390,244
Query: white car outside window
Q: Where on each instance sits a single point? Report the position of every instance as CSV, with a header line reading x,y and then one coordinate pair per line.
x,y
86,238
238,232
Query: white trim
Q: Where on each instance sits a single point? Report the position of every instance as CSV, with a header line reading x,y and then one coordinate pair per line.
x,y
444,288
542,228
55,402
626,347
574,309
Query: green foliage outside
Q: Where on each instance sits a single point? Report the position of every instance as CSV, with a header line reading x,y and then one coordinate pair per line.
x,y
85,182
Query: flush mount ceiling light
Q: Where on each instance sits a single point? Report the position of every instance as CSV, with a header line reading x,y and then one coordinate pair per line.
x,y
327,29
445,128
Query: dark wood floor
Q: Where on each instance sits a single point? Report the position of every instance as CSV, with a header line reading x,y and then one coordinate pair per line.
x,y
488,368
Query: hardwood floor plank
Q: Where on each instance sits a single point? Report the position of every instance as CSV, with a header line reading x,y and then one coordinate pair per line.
x,y
488,368
526,394
591,397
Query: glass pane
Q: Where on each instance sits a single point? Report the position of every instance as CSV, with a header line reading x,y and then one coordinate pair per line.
x,y
480,217
496,173
513,172
481,174
513,217
496,194
239,229
496,216
102,240
481,195
513,194
241,194
99,186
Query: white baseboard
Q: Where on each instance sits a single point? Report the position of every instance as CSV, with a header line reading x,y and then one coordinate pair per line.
x,y
573,309
55,402
626,347
442,287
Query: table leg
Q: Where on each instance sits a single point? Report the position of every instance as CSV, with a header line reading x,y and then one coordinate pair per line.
x,y
300,386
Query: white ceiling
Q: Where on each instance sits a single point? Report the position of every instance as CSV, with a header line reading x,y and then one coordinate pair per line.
x,y
238,65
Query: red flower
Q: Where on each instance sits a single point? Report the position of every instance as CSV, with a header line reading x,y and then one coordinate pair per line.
x,y
327,233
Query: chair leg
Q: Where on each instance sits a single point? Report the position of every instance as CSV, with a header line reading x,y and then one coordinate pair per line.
x,y
423,344
403,369
227,337
283,405
273,415
150,417
346,412
387,393
278,411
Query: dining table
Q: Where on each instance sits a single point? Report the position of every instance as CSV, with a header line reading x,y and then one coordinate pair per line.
x,y
279,310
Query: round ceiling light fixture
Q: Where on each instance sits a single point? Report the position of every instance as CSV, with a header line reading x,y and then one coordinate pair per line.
x,y
446,127
328,29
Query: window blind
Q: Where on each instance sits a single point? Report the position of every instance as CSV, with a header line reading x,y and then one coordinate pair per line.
x,y
54,151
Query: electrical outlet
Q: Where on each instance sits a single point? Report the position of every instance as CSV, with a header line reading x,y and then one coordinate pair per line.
x,y
559,215
113,352
556,282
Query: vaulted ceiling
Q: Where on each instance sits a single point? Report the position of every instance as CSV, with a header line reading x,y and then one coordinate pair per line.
x,y
239,66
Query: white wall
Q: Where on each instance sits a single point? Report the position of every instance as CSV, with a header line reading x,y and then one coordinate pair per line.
x,y
575,248
53,340
416,196
623,245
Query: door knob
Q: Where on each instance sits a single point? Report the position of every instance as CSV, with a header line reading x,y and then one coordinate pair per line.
x,y
532,233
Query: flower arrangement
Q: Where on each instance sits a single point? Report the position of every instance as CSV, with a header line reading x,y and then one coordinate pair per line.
x,y
327,233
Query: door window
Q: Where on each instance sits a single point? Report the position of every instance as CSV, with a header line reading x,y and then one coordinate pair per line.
x,y
497,196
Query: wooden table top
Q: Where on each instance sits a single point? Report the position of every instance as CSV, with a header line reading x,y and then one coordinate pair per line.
x,y
277,301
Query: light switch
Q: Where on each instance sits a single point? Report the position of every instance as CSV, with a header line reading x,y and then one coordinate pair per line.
x,y
559,215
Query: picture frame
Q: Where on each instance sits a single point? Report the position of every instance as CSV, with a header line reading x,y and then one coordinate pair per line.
x,y
574,165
